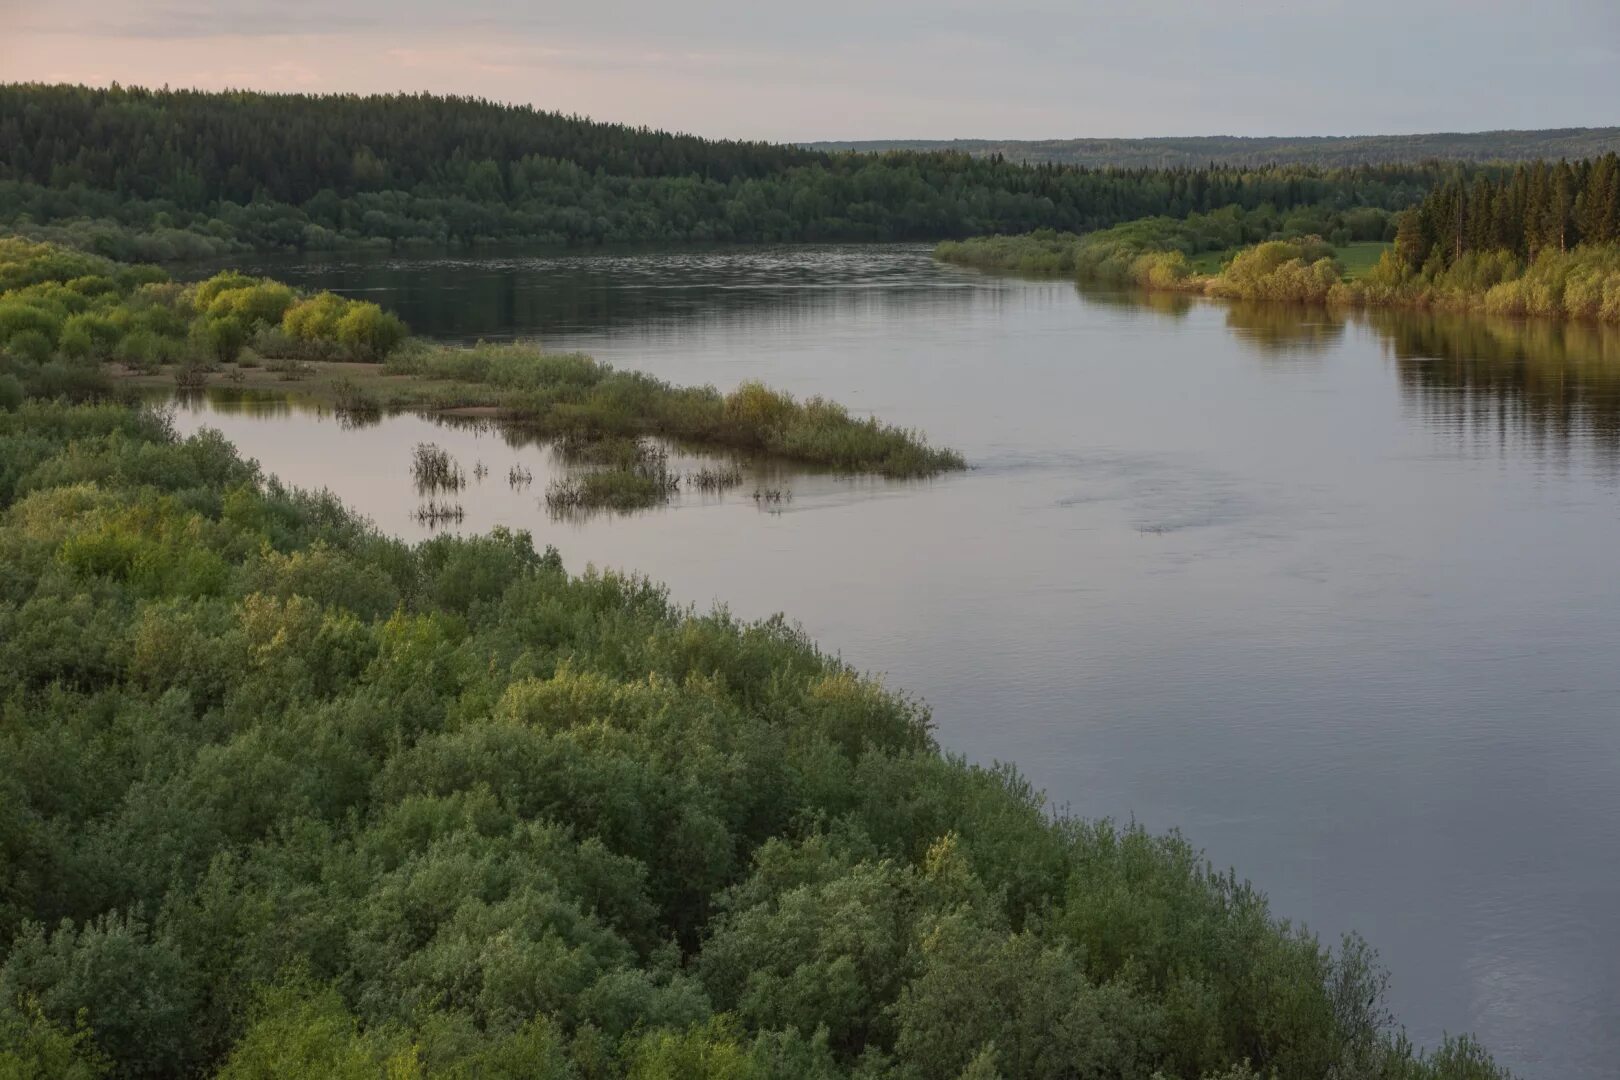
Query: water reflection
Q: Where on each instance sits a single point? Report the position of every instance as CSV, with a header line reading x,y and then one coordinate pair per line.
x,y
245,401
523,295
1550,384
1172,304
1541,383
1284,329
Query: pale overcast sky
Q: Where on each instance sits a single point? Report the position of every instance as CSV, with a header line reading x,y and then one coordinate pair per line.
x,y
828,69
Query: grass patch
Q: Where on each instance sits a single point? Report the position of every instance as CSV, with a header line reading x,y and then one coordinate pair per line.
x,y
349,397
434,469
623,475
571,396
1211,262
1358,257
714,478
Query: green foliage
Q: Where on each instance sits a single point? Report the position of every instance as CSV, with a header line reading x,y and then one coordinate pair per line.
x,y
24,263
259,302
368,332
711,1051
29,346
363,330
626,474
314,319
219,337
824,955
1541,239
26,316
1576,282
1144,252
303,1031
1300,272
1581,284
1533,208
1024,1004
156,174
33,1048
62,321
90,971
145,350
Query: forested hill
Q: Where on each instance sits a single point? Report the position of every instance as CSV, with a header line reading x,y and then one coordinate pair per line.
x,y
145,174
191,145
1329,151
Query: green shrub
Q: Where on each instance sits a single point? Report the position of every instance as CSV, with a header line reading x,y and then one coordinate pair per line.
x,y
219,338
204,292
76,342
262,302
368,332
314,319
146,351
30,346
18,316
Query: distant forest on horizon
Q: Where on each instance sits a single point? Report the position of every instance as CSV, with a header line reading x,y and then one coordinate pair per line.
x,y
1325,151
133,173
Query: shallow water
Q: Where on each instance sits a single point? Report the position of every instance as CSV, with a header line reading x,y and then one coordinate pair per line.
x,y
1334,597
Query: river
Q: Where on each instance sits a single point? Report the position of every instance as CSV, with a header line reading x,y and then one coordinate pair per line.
x,y
1336,597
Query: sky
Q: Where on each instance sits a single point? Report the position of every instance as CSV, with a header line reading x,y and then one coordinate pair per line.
x,y
874,69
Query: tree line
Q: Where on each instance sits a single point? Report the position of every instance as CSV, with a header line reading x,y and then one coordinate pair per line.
x,y
139,173
1533,208
1329,151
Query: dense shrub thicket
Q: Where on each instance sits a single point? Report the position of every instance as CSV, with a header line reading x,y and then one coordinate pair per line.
x,y
144,174
64,313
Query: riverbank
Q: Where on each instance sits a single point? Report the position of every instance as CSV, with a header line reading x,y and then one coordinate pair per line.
x,y
1582,283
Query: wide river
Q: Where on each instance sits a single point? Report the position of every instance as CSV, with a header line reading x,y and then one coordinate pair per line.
x,y
1337,598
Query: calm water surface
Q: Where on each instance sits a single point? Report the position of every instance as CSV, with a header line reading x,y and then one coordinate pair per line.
x,y
1336,598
